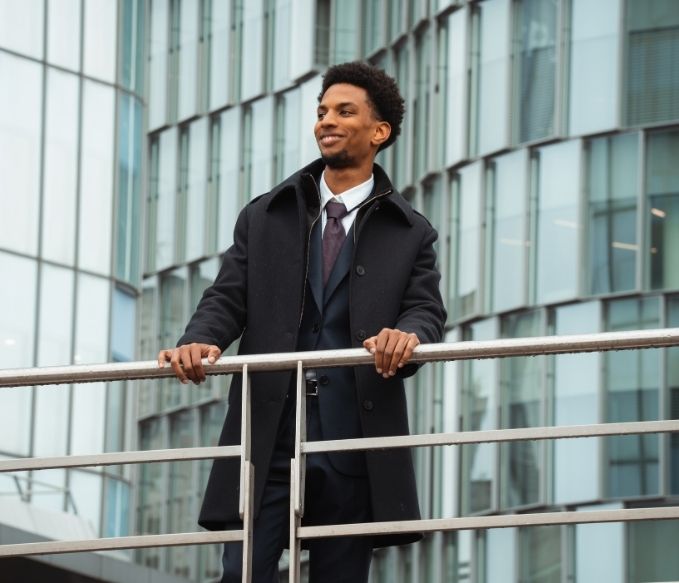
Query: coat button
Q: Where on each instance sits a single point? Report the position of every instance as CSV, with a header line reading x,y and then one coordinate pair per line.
x,y
324,380
368,405
361,335
316,327
360,270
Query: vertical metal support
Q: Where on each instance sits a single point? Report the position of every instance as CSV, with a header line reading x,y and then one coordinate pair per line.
x,y
245,501
297,473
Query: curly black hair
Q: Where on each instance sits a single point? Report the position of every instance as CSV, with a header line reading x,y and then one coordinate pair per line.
x,y
383,93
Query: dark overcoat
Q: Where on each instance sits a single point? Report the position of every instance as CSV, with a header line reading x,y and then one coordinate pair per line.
x,y
260,292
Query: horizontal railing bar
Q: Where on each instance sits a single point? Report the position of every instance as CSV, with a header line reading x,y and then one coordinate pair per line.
x,y
481,522
492,436
119,543
122,457
349,357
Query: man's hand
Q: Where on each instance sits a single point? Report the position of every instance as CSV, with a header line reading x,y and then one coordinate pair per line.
x,y
187,362
392,350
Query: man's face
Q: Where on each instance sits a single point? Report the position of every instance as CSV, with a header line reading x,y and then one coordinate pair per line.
x,y
347,130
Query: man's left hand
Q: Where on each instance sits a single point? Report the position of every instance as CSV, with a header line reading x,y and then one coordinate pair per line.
x,y
392,350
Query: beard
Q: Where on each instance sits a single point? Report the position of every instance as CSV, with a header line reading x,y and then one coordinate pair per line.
x,y
337,161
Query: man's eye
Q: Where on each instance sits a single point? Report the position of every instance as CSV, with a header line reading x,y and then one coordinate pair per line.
x,y
345,112
320,115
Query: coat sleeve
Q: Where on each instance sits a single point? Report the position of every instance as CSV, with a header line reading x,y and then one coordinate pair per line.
x,y
422,310
221,313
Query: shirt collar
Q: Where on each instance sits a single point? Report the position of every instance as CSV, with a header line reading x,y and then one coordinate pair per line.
x,y
350,198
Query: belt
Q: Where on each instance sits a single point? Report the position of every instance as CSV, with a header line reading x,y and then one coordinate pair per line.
x,y
311,387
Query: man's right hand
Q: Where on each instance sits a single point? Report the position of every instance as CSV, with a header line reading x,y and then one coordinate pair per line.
x,y
187,360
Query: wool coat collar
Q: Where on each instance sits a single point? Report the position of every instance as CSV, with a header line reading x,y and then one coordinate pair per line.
x,y
299,183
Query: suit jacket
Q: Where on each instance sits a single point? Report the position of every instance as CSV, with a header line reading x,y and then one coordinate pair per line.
x,y
260,295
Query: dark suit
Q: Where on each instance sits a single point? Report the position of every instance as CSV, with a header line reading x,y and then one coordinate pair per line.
x,y
263,292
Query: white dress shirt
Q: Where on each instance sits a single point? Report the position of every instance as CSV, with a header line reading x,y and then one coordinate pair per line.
x,y
351,199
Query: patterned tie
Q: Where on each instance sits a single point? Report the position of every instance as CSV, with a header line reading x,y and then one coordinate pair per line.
x,y
333,236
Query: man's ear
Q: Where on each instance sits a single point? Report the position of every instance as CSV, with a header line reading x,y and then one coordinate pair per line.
x,y
382,133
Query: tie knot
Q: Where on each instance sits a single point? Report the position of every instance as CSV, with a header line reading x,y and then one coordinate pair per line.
x,y
336,210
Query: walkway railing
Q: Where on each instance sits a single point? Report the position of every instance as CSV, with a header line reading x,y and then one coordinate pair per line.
x,y
350,357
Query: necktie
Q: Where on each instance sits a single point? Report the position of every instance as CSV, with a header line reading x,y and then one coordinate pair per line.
x,y
333,236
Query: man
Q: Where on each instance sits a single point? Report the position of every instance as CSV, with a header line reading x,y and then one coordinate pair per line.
x,y
333,257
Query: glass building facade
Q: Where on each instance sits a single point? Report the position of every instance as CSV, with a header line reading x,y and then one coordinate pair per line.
x,y
71,143
541,140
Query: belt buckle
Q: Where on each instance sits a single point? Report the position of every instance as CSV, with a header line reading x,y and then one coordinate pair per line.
x,y
311,388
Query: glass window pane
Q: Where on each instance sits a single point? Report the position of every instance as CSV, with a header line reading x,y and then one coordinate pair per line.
x,y
92,316
346,30
181,510
632,384
123,324
612,188
54,349
16,340
535,77
421,106
193,177
48,488
479,412
522,396
61,167
401,164
540,554
189,35
652,51
652,550
63,35
88,413
599,551
128,212
303,31
85,497
20,123
21,26
456,90
558,222
509,230
252,55
164,191
100,40
258,148
96,178
117,508
132,49
493,77
594,73
158,62
662,192
152,495
220,40
308,105
231,195
576,402
500,554
373,27
468,200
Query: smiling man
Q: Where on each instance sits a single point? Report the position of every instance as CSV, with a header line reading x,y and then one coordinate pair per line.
x,y
333,257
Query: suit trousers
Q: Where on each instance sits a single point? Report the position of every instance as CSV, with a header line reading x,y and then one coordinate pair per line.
x,y
330,498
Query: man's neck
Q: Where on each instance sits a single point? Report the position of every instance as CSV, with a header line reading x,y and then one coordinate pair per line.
x,y
340,180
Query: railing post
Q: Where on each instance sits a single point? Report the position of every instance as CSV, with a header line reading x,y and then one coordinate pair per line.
x,y
247,471
297,473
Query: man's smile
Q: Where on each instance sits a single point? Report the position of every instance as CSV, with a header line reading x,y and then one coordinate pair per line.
x,y
329,139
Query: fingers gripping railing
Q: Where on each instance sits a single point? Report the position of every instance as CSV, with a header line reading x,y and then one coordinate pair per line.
x,y
351,357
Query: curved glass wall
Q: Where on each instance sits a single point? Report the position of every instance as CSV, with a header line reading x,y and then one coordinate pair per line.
x,y
70,184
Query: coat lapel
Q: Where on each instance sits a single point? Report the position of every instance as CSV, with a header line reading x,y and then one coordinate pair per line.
x,y
341,267
316,266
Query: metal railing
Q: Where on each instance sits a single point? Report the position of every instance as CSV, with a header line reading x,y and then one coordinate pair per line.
x,y
349,357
